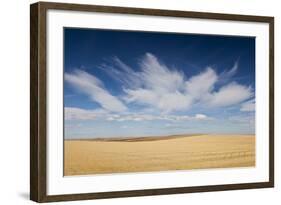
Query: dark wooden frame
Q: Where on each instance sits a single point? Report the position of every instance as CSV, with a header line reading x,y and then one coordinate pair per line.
x,y
38,101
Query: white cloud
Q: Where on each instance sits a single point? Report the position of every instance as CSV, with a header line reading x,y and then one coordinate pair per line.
x,y
227,74
157,87
93,87
166,102
248,106
243,119
73,113
168,90
157,76
201,116
230,94
202,84
146,117
126,75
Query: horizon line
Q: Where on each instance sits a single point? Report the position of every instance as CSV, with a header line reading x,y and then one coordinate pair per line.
x,y
153,136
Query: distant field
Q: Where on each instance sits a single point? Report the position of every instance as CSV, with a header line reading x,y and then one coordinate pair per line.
x,y
180,152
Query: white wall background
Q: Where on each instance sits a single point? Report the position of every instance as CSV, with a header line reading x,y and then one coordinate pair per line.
x,y
14,101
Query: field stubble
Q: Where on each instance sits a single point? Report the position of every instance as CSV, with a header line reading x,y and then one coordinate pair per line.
x,y
82,157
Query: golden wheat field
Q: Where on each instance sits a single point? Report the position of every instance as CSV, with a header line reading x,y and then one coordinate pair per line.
x,y
82,157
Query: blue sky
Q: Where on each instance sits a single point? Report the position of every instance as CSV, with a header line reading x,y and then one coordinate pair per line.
x,y
127,84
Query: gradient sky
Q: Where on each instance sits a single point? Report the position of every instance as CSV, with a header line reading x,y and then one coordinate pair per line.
x,y
126,83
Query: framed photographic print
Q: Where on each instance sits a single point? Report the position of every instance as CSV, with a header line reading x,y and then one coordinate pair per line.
x,y
134,102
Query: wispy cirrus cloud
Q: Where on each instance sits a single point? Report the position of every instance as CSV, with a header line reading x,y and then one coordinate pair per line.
x,y
95,90
248,106
168,90
230,94
199,87
158,87
228,74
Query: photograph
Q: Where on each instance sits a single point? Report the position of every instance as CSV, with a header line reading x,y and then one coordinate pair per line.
x,y
139,101
132,101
